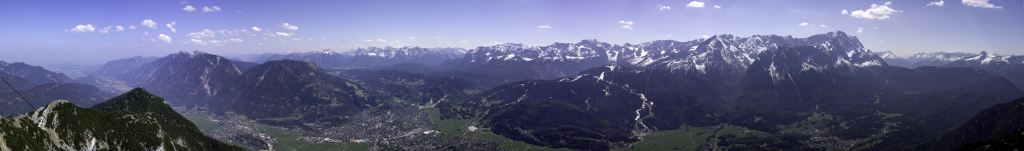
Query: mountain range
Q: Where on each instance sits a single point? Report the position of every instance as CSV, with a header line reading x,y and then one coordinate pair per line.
x,y
601,108
368,57
825,91
1009,66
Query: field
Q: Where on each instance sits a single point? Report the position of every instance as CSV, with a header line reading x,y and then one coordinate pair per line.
x,y
685,138
288,140
454,128
201,122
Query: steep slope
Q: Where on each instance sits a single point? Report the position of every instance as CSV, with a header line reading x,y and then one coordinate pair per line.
x,y
893,59
34,74
1001,120
122,66
17,82
1009,66
289,92
79,94
784,86
135,120
184,77
370,57
599,109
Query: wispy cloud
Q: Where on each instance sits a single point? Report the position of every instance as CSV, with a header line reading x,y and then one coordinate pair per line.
x,y
209,9
823,26
627,24
663,7
860,29
279,34
118,28
82,29
202,34
845,12
876,11
148,23
939,3
695,4
288,26
105,30
171,26
381,40
544,27
980,4
716,6
804,24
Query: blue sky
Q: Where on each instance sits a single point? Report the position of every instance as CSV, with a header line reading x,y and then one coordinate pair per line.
x,y
76,31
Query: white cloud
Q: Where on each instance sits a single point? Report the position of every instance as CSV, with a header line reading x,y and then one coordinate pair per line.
x,y
235,40
981,4
118,28
823,25
876,11
182,2
876,27
438,37
716,6
145,33
131,27
280,34
860,29
189,8
705,36
663,7
939,3
695,4
171,26
257,29
208,9
148,23
197,41
202,34
627,24
368,40
104,30
165,38
411,38
845,12
804,24
544,27
296,39
82,29
288,26
381,40
261,44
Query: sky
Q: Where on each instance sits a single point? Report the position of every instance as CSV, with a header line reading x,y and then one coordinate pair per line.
x,y
93,32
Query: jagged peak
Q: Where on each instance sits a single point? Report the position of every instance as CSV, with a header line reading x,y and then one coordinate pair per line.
x,y
837,33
